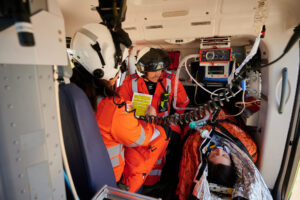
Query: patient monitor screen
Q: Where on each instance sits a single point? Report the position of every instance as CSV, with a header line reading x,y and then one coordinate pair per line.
x,y
215,69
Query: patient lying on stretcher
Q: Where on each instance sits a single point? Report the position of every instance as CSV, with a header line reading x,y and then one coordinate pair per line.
x,y
223,168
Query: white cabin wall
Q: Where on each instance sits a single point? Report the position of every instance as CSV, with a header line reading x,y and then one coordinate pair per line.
x,y
274,126
185,52
31,162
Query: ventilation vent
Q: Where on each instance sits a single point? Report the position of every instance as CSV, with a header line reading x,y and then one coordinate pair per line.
x,y
180,40
130,28
178,13
154,27
219,42
210,45
200,23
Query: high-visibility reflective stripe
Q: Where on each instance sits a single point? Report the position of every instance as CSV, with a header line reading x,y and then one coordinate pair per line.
x,y
115,161
122,154
159,161
99,99
187,99
166,114
114,150
141,139
134,85
169,85
155,134
155,172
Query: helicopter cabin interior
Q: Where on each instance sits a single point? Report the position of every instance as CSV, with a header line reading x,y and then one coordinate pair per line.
x,y
209,42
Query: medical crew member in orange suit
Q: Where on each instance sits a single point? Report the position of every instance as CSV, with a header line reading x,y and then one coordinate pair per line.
x,y
95,72
153,79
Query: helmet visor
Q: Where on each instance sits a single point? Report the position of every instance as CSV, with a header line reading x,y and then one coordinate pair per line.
x,y
150,67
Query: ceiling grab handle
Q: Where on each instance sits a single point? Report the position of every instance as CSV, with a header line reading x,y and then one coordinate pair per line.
x,y
284,73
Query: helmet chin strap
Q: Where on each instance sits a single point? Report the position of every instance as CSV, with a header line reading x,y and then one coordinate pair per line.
x,y
98,73
97,48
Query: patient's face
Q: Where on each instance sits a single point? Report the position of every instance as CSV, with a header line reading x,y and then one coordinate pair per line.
x,y
219,156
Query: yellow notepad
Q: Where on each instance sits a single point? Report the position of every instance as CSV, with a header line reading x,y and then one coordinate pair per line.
x,y
140,102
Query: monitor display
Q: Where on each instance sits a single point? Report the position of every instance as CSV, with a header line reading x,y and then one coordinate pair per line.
x,y
215,69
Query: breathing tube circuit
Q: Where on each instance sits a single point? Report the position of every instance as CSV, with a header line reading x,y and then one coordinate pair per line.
x,y
218,97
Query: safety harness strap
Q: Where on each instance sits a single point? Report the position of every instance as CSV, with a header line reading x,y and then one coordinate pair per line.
x,y
203,159
167,89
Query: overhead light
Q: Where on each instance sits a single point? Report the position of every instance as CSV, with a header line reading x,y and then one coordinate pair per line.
x,y
202,23
130,28
177,13
154,27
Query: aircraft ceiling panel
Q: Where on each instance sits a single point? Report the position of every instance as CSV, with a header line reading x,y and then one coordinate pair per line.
x,y
228,26
218,17
191,18
148,14
152,2
78,13
237,7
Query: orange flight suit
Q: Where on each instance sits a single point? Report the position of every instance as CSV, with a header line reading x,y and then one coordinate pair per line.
x,y
134,83
120,128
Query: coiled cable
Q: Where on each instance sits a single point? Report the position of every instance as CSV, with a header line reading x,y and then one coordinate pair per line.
x,y
198,113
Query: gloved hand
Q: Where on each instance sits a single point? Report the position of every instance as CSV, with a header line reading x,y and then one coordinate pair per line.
x,y
122,186
151,111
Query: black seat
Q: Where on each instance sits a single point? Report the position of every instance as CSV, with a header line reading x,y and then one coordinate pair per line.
x,y
87,155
